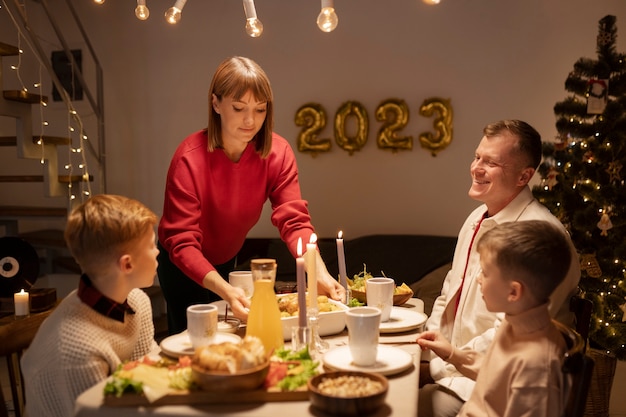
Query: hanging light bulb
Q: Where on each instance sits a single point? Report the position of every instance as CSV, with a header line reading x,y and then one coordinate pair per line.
x,y
173,14
98,1
327,19
141,11
254,27
431,2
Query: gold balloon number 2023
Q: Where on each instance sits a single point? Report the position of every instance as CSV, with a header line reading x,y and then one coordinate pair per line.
x,y
394,115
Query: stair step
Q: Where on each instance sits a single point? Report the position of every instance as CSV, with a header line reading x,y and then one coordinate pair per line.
x,y
32,211
8,50
63,179
48,140
24,96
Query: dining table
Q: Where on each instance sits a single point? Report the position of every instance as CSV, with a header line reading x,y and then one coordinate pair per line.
x,y
401,399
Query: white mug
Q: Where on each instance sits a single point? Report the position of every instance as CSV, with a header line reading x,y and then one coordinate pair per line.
x,y
363,328
379,293
243,280
201,324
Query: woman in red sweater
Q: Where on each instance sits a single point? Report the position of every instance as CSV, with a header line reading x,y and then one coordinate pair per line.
x,y
218,181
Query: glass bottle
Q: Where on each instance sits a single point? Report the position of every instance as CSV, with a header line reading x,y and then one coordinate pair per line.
x,y
264,317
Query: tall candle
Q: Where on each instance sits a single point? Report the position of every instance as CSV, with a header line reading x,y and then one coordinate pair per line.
x,y
342,261
21,300
301,286
311,271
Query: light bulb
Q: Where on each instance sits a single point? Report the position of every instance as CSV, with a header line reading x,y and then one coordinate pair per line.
x,y
98,1
141,11
327,19
431,2
254,27
174,13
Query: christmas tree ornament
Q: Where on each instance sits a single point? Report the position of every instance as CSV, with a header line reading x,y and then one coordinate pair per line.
x,y
589,264
588,157
614,170
623,308
551,180
597,96
605,224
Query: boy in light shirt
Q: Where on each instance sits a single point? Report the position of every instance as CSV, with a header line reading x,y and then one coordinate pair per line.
x,y
520,374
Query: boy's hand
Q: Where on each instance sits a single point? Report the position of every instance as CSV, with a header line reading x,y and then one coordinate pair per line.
x,y
434,341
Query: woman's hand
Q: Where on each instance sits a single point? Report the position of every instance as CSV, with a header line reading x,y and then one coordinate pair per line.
x,y
234,296
326,284
238,302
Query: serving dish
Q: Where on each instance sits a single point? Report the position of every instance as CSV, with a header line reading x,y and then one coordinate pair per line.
x,y
330,322
247,379
398,299
341,400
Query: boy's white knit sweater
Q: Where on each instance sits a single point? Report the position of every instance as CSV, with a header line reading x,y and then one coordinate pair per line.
x,y
76,347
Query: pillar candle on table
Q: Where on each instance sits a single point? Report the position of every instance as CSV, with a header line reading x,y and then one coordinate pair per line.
x,y
301,286
21,300
311,271
342,261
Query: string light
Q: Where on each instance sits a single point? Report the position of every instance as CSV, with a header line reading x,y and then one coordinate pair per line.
x,y
254,27
327,20
174,13
141,11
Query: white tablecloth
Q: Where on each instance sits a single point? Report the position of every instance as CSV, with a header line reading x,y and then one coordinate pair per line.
x,y
401,399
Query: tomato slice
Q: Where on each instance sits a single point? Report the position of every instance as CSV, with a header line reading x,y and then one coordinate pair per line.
x,y
276,372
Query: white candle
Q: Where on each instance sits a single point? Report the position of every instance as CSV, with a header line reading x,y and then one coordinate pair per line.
x,y
301,286
22,307
311,248
342,261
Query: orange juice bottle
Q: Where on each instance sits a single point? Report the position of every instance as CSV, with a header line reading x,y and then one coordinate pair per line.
x,y
264,316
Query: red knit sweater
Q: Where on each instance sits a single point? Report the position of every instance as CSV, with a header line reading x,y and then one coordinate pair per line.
x,y
211,203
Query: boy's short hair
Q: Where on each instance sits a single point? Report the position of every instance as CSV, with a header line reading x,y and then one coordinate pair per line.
x,y
104,227
534,252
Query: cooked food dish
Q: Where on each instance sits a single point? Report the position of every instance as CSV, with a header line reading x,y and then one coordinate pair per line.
x,y
231,357
288,305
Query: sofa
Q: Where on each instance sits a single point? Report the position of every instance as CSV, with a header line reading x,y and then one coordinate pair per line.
x,y
420,261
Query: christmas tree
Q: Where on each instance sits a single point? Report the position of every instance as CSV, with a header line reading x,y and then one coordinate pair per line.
x,y
583,183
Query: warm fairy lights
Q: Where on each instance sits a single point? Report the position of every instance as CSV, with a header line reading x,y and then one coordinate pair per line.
x,y
72,116
327,19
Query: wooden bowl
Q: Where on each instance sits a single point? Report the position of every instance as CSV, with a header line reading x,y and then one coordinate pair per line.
x,y
398,299
248,379
344,403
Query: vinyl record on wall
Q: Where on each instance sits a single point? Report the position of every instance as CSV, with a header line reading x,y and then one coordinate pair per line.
x,y
19,265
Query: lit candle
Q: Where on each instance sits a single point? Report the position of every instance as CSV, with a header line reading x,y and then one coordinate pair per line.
x,y
21,303
301,286
342,261
311,248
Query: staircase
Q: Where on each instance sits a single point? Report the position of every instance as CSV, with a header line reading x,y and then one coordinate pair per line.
x,y
46,164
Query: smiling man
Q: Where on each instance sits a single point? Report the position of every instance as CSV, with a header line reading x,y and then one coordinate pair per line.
x,y
504,162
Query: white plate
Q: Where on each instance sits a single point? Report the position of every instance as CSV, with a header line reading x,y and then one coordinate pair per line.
x,y
180,345
403,320
390,360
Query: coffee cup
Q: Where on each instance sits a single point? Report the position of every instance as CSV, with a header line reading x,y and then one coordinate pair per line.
x,y
379,293
363,329
243,280
202,324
